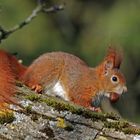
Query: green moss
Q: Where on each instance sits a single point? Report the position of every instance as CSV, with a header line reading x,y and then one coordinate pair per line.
x,y
62,123
79,110
58,104
116,124
131,130
33,97
28,109
123,126
6,117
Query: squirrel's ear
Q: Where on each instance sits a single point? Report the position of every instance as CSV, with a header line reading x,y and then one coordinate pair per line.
x,y
108,64
113,59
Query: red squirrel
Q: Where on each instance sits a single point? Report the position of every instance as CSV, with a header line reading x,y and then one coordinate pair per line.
x,y
10,71
66,76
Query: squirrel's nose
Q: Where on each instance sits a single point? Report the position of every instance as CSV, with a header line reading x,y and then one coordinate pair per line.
x,y
124,89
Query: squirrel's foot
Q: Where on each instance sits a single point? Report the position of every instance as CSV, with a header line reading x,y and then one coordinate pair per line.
x,y
95,109
37,88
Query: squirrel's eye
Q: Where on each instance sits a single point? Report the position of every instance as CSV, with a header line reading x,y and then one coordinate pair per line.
x,y
114,78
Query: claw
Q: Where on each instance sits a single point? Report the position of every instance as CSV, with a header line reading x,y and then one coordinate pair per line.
x,y
37,88
95,109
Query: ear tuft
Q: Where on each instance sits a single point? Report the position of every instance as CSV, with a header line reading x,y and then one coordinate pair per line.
x,y
114,57
108,64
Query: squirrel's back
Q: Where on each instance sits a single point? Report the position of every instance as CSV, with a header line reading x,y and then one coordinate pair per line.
x,y
53,64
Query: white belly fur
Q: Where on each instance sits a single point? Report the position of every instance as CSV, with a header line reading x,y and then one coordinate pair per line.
x,y
57,90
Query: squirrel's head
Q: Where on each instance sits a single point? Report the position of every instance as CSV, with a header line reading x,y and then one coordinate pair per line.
x,y
112,81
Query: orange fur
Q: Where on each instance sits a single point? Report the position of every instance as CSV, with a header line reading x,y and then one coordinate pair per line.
x,y
80,82
115,56
10,70
65,73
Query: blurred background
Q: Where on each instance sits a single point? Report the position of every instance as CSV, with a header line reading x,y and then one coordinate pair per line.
x,y
83,28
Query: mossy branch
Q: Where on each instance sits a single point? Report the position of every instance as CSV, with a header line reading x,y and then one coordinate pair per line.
x,y
62,105
109,120
6,116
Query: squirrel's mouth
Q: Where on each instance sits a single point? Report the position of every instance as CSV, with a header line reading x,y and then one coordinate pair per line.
x,y
114,97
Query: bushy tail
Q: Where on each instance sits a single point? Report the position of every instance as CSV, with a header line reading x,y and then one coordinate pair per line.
x,y
10,70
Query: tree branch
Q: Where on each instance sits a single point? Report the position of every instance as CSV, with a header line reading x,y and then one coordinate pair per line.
x,y
69,117
41,7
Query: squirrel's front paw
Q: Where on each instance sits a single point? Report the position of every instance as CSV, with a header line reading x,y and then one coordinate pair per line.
x,y
37,88
95,109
